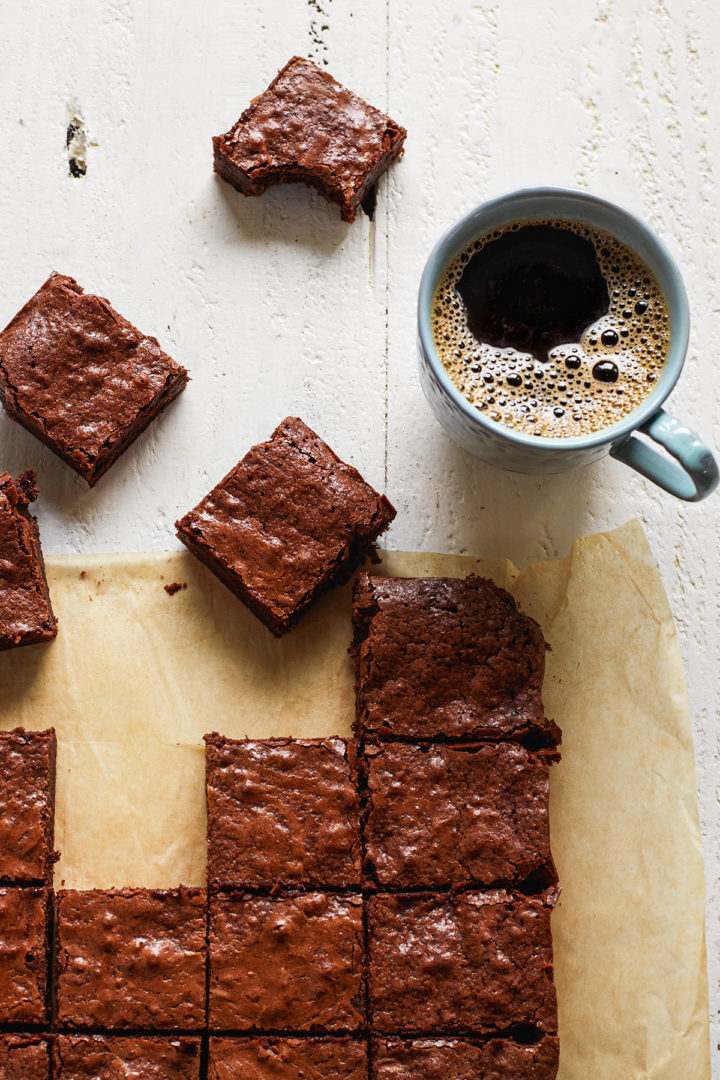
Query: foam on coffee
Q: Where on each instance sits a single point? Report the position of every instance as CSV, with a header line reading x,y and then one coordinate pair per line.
x,y
577,387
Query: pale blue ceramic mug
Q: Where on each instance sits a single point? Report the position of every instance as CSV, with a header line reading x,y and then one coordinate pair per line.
x,y
687,470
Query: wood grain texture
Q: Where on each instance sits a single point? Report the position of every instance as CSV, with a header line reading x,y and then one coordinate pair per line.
x,y
277,307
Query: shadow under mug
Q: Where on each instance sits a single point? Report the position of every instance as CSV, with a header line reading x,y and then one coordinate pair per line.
x,y
692,475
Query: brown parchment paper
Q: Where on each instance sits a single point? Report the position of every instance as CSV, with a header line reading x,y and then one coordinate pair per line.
x,y
136,677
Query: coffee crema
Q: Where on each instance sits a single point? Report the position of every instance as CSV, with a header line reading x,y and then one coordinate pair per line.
x,y
551,327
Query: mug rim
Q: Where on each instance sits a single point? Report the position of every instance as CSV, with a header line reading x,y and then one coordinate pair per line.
x,y
449,245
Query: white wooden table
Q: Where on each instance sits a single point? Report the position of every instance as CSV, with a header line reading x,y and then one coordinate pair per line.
x,y
277,307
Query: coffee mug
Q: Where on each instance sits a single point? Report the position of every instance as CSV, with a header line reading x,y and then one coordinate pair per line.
x,y
692,475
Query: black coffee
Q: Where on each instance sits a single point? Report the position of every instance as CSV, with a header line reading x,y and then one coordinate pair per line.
x,y
551,327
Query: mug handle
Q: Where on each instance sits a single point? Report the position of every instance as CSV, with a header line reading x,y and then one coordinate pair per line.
x,y
696,475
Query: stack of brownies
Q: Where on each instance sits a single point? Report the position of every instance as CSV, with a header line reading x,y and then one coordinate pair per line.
x,y
384,904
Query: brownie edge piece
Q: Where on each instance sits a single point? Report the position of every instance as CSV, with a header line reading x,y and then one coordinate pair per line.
x,y
24,956
26,614
24,1057
282,812
287,523
307,127
27,806
473,963
131,958
269,1058
111,1057
439,658
463,1059
81,377
457,815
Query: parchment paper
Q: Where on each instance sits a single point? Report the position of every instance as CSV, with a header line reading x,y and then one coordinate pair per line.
x,y
136,677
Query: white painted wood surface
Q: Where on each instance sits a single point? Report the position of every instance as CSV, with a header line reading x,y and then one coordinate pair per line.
x,y
278,307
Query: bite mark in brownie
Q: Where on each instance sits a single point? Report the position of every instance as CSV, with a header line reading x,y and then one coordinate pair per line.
x,y
307,127
287,523
24,956
442,815
81,377
267,1058
475,963
112,1057
282,812
26,614
463,1059
131,959
446,658
24,1057
27,806
294,963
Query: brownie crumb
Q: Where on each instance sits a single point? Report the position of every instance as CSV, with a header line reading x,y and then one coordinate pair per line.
x,y
175,587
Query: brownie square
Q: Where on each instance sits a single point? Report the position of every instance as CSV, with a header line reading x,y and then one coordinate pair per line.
x,y
112,1057
475,962
82,378
286,964
307,127
24,956
464,1059
447,658
289,521
26,614
456,815
24,1057
27,806
282,811
131,958
287,1059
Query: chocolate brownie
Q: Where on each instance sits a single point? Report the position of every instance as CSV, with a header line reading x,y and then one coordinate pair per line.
x,y
24,955
475,962
292,963
307,127
456,815
26,614
287,1059
286,523
24,1057
131,958
112,1057
464,1059
27,806
282,811
446,658
82,378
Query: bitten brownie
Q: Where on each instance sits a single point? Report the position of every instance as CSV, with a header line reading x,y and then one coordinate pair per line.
x,y
446,657
24,956
287,1059
82,378
294,963
289,521
282,811
475,962
456,815
307,127
27,806
463,1059
131,958
26,614
24,1057
112,1057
